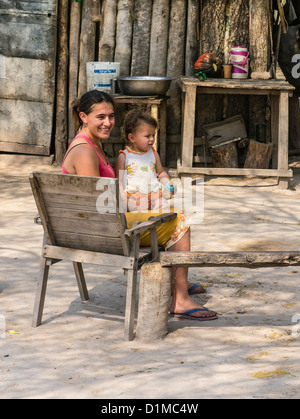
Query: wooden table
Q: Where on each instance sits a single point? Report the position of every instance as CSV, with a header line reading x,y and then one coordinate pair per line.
x,y
158,109
279,92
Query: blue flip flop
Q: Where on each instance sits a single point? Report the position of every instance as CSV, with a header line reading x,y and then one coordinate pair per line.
x,y
187,314
193,287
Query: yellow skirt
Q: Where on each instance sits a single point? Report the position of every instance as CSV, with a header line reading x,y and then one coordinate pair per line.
x,y
167,233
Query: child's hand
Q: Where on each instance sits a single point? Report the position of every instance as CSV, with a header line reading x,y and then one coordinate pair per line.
x,y
136,196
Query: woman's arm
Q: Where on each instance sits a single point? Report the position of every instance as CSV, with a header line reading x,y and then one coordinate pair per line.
x,y
85,161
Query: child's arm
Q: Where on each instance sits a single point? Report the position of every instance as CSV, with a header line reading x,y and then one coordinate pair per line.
x,y
163,176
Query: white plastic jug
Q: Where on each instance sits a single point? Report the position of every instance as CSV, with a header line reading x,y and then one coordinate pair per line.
x,y
238,57
99,75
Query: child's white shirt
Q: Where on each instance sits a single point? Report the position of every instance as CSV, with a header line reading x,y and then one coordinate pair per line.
x,y
140,172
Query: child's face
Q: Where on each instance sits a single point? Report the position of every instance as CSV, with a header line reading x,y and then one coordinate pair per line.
x,y
143,138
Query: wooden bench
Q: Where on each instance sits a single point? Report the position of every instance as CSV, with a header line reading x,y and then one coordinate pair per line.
x,y
83,223
152,323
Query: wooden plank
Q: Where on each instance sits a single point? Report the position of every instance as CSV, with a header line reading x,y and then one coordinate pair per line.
x,y
24,148
94,258
68,201
70,184
215,171
88,242
84,226
236,91
227,129
242,259
283,136
239,84
17,84
18,125
91,215
151,223
154,114
156,100
41,209
81,281
163,133
17,26
131,290
188,126
27,85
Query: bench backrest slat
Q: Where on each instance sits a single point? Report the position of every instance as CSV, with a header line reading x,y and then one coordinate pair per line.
x,y
80,212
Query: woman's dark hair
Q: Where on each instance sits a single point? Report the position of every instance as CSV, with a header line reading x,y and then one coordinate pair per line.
x,y
134,118
86,103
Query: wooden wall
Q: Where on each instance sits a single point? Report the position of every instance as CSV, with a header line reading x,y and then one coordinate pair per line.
x,y
27,80
163,38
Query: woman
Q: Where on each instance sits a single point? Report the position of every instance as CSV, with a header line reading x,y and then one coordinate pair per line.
x,y
94,117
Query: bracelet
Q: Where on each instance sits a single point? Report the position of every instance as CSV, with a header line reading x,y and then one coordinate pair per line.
x,y
169,187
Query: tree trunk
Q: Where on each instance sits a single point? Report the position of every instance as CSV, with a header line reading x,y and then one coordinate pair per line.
x,y
237,34
212,34
159,38
61,123
74,37
192,34
213,26
124,35
259,36
258,155
141,37
154,297
239,24
175,60
87,44
259,49
108,30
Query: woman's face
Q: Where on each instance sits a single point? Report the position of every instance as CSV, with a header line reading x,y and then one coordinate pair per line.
x,y
100,121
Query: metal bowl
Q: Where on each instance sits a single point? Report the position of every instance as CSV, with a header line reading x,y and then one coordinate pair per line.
x,y
144,85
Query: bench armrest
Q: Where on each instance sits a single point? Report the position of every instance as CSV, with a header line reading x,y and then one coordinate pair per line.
x,y
152,222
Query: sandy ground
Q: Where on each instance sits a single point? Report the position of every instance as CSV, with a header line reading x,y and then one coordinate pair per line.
x,y
251,351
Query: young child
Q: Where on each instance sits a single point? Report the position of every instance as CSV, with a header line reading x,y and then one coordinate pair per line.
x,y
141,176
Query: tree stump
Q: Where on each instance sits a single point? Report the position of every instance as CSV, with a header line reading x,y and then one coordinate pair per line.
x,y
258,155
154,297
225,155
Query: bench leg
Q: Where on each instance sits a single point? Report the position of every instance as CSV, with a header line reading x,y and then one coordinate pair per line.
x,y
84,295
40,292
131,290
130,304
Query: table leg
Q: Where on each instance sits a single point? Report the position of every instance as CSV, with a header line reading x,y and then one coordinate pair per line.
x,y
154,114
163,133
274,129
188,126
283,136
